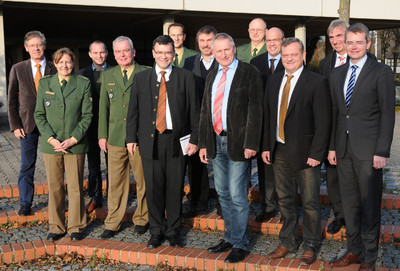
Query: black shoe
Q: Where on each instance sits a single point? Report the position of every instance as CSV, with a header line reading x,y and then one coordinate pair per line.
x,y
54,236
265,216
24,211
335,226
221,247
236,255
77,236
174,241
139,229
154,241
107,234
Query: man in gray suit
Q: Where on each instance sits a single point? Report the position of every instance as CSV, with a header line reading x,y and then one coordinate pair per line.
x,y
363,95
22,92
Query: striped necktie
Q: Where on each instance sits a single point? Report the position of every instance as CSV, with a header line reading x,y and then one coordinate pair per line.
x,y
219,95
350,85
254,52
162,100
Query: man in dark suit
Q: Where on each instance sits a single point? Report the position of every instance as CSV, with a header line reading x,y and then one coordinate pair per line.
x,y
229,135
177,33
268,63
22,92
98,53
338,57
201,65
363,94
257,31
163,108
297,119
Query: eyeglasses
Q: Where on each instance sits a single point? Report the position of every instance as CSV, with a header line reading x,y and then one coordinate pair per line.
x,y
256,30
35,45
357,43
169,53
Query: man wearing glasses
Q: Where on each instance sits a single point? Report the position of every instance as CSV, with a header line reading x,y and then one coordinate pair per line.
x,y
257,31
163,108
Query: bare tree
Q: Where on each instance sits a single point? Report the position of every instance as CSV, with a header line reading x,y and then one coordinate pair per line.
x,y
395,49
344,10
384,37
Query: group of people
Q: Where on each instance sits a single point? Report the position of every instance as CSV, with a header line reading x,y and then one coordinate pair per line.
x,y
226,106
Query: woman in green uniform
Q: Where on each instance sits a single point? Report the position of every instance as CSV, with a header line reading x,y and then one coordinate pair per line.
x,y
63,114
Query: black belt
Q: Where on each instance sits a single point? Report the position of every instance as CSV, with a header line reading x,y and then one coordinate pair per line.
x,y
223,133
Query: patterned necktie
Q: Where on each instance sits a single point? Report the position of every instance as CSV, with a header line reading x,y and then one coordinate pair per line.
x,y
272,67
38,75
162,100
341,60
255,52
63,84
283,107
176,60
125,77
219,95
350,85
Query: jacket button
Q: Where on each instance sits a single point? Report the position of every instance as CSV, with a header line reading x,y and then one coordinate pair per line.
x,y
347,117
61,118
124,118
154,122
152,135
157,85
154,109
156,97
124,106
61,129
124,93
61,105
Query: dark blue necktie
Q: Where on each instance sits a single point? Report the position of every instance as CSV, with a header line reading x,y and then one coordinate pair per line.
x,y
350,85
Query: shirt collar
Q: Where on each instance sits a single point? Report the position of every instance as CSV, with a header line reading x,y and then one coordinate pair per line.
x,y
277,57
101,69
209,60
167,70
296,73
232,66
360,63
42,63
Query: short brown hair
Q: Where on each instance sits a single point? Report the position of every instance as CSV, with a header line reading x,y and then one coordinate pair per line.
x,y
177,25
63,51
34,34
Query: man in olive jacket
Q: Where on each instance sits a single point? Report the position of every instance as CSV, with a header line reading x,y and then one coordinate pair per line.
x,y
113,109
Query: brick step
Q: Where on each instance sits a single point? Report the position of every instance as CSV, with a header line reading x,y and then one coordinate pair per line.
x,y
138,253
390,234
389,201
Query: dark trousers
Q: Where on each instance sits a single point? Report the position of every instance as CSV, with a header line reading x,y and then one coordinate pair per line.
x,y
266,184
26,187
332,183
361,189
198,181
164,176
288,181
95,178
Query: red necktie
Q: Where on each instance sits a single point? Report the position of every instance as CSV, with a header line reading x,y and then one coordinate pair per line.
x,y
219,95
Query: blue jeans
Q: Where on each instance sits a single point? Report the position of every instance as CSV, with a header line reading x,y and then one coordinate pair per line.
x,y
232,184
26,187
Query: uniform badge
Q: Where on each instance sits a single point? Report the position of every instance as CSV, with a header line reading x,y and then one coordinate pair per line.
x,y
47,103
111,95
91,99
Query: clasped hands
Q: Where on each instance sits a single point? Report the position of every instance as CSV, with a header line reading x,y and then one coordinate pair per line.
x,y
62,146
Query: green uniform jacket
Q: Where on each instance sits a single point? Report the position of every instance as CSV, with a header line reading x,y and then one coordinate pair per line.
x,y
114,101
186,53
62,114
244,53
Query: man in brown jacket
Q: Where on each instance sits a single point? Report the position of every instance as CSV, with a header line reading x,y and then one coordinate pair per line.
x,y
22,92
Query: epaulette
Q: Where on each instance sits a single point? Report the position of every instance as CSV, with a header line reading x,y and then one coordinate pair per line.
x,y
47,76
83,77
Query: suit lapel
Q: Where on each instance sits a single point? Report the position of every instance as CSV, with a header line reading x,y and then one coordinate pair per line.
x,y
275,95
55,86
342,79
154,85
196,65
361,78
118,78
29,75
70,87
301,82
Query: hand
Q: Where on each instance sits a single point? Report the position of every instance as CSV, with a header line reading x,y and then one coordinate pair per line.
x,y
103,144
265,155
312,163
131,148
68,143
57,146
203,156
379,162
249,153
191,149
19,133
332,158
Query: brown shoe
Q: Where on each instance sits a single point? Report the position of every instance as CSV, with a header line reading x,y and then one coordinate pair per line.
x,y
367,267
347,259
92,206
308,257
279,252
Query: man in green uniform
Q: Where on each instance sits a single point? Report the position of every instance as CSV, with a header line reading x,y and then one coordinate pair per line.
x,y
177,33
257,31
114,99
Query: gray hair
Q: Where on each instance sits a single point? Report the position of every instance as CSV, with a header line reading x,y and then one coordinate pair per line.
x,y
337,23
291,40
34,34
358,28
222,36
122,38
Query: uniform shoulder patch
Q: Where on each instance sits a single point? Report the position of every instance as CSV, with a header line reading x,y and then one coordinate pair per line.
x,y
47,76
83,77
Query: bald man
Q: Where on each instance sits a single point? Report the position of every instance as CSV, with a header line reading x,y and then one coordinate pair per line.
x,y
257,31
